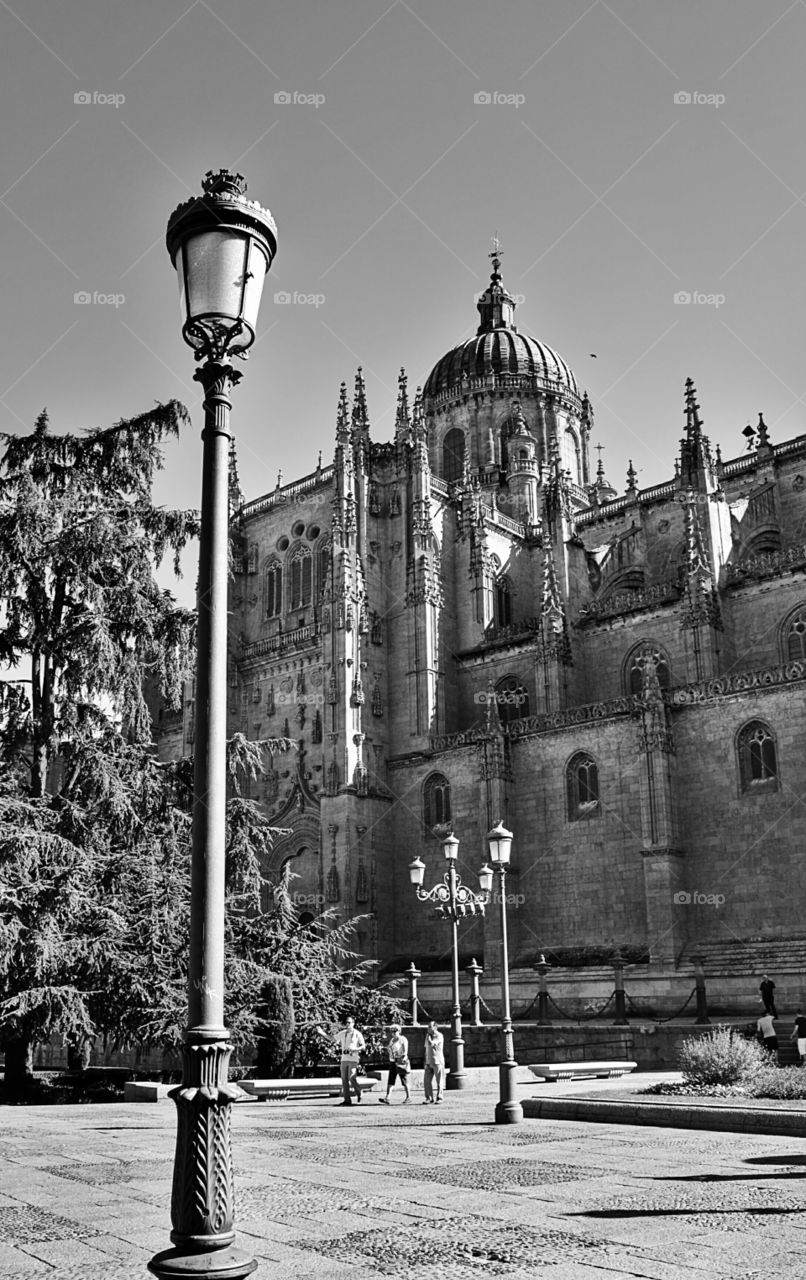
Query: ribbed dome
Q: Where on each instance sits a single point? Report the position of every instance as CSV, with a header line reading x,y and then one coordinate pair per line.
x,y
499,351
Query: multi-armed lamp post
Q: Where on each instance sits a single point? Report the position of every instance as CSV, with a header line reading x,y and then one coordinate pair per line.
x,y
453,900
222,246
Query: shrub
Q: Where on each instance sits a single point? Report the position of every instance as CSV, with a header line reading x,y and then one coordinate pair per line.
x,y
274,1045
779,1082
720,1057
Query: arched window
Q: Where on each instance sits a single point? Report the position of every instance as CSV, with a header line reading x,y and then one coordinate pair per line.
x,y
301,566
570,456
323,564
582,787
436,800
758,767
795,636
634,666
502,600
453,455
274,589
512,699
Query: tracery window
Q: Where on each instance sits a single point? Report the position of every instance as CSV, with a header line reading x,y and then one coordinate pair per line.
x,y
323,564
512,699
274,589
502,600
301,576
453,455
582,787
795,635
436,800
633,667
758,766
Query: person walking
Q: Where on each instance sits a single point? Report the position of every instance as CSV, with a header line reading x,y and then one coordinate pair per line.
x,y
767,989
399,1065
351,1044
434,1074
799,1035
766,1030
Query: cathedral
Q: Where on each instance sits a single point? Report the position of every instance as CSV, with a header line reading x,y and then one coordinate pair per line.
x,y
470,623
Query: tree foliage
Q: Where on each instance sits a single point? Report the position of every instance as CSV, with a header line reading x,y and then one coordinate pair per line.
x,y
84,626
94,828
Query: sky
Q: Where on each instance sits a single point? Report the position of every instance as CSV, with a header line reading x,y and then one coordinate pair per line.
x,y
641,162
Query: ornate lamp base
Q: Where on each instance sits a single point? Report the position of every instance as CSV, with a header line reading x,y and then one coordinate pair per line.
x,y
202,1200
220,1264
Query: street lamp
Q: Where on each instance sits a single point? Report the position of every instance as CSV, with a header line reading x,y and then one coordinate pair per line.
x,y
222,246
453,900
508,1110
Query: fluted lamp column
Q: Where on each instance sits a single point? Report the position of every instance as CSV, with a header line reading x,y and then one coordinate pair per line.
x,y
508,1109
222,246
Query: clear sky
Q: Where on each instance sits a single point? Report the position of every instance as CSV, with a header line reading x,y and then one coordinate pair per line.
x,y
387,179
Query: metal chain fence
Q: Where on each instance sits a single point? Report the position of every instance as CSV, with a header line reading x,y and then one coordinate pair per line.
x,y
639,1013
582,1017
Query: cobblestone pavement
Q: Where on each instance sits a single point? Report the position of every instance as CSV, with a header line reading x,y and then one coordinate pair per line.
x,y
437,1193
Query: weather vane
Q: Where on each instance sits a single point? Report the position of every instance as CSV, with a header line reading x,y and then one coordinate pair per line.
x,y
496,243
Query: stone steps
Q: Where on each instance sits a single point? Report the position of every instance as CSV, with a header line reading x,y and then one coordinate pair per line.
x,y
736,959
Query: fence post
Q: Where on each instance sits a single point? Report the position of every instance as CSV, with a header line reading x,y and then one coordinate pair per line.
x,y
542,967
474,969
702,999
620,1019
413,974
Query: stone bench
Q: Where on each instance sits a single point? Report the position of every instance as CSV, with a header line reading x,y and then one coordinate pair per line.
x,y
578,1070
303,1087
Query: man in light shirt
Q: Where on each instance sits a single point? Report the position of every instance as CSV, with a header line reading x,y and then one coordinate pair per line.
x,y
434,1074
351,1044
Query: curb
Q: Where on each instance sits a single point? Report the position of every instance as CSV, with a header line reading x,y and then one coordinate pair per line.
x,y
732,1119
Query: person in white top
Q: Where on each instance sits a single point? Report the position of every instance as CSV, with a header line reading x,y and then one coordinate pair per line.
x,y
351,1044
399,1064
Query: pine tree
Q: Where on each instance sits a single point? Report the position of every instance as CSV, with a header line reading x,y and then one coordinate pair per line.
x,y
84,626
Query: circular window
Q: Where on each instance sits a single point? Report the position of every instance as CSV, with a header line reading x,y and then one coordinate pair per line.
x,y
282,544
313,532
298,529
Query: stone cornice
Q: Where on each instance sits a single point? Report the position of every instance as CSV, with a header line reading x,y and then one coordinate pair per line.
x,y
709,691
773,564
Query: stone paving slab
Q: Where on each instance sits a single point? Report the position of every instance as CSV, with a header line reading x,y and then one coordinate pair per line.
x,y
432,1193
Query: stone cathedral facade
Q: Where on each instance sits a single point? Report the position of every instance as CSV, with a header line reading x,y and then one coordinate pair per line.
x,y
470,623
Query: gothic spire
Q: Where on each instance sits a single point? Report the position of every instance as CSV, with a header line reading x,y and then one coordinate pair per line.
x,y
343,417
360,414
695,449
236,496
402,417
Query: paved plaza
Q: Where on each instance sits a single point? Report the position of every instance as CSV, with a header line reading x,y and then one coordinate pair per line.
x,y
440,1193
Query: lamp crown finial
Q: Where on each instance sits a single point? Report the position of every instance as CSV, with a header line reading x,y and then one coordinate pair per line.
x,y
223,182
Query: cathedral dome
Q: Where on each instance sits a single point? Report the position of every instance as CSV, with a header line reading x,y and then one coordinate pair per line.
x,y
498,350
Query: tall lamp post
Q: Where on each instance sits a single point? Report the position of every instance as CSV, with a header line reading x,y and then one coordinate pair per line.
x,y
508,1109
222,246
453,900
